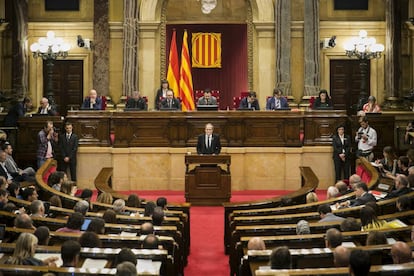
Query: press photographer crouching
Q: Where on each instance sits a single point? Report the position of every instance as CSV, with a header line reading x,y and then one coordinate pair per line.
x,y
366,137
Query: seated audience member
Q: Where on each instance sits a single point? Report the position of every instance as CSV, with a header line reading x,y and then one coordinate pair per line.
x,y
170,102
27,174
353,180
207,99
3,198
81,207
302,227
69,187
73,224
371,106
24,221
362,196
46,109
105,198
389,162
277,101
29,194
162,202
14,190
55,201
350,224
136,101
93,101
341,256
90,239
3,183
342,188
311,197
325,212
149,208
109,216
157,216
86,195
333,238
403,203
359,263
42,234
126,269
374,206
376,238
280,258
37,209
323,100
19,110
369,220
332,192
250,102
150,242
256,243
25,250
401,187
70,252
411,170
401,253
126,255
119,207
56,179
97,226
402,167
133,201
147,228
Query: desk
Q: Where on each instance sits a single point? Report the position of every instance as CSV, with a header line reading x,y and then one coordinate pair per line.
x,y
207,183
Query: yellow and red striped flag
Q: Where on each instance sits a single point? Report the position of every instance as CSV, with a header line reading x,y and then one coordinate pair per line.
x,y
186,80
173,73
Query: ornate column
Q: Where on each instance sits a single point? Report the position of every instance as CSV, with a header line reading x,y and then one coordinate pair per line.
x,y
130,64
3,26
311,48
283,45
101,47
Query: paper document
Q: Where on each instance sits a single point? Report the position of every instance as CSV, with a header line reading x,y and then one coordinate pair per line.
x,y
94,263
43,256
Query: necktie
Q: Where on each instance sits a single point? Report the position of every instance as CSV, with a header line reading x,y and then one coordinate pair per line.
x,y
68,137
169,103
277,103
209,141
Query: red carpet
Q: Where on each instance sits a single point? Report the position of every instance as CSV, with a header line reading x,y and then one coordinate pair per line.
x,y
207,249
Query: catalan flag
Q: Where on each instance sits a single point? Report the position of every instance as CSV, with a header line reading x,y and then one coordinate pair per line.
x,y
186,80
206,50
173,73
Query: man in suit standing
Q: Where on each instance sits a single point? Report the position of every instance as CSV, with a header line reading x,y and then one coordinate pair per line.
x,y
69,147
277,101
170,102
93,101
207,99
208,143
250,102
341,144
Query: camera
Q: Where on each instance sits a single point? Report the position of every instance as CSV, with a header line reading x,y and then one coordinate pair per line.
x,y
360,134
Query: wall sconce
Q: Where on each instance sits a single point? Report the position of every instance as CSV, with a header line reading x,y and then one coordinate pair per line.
x,y
328,42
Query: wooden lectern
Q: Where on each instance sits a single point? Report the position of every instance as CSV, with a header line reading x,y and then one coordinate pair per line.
x,y
207,183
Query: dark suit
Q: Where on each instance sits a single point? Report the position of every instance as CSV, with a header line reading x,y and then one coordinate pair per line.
x,y
271,103
339,148
69,148
214,148
398,193
17,111
97,105
159,97
51,110
245,104
139,103
175,104
365,198
3,172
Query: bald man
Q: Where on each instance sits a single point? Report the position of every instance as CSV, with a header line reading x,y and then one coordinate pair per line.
x,y
92,101
341,256
401,253
256,243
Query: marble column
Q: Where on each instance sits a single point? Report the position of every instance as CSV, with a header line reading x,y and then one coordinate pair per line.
x,y
283,45
311,48
20,50
3,26
131,34
101,47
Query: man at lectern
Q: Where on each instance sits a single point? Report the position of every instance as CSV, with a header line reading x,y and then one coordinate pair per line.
x,y
208,143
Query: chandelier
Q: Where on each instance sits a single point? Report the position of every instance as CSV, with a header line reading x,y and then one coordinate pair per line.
x,y
50,47
208,5
363,47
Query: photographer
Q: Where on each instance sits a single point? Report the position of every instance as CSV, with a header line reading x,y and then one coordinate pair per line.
x,y
366,137
45,139
409,131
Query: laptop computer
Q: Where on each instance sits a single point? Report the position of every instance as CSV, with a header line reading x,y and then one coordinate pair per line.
x,y
203,107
